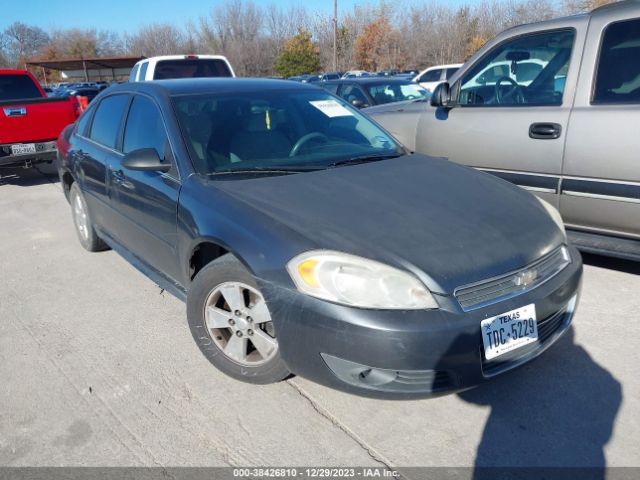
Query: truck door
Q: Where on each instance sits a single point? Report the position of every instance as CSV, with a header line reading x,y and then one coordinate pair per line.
x,y
511,108
601,174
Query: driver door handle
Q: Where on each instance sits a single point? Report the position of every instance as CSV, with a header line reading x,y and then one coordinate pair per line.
x,y
545,131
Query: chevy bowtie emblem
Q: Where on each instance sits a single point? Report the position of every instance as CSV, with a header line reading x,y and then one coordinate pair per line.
x,y
525,278
15,111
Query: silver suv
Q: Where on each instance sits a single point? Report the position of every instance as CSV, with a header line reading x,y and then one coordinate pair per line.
x,y
555,108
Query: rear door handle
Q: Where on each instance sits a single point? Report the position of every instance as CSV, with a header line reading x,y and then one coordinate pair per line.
x,y
545,131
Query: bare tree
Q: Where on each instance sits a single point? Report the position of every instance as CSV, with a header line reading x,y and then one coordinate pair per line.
x,y
157,39
23,42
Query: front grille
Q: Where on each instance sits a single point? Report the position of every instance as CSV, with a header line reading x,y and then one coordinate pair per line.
x,y
546,329
490,291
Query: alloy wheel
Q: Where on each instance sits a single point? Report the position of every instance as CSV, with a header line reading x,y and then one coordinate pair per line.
x,y
239,323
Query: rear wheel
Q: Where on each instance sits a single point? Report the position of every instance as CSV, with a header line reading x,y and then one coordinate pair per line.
x,y
87,235
231,323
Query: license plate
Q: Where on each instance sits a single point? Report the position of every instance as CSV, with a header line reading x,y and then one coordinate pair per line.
x,y
23,148
506,332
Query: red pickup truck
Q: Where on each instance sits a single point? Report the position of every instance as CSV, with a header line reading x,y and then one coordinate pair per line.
x,y
30,122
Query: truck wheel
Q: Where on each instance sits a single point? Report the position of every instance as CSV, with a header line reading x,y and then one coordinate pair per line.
x,y
231,323
82,220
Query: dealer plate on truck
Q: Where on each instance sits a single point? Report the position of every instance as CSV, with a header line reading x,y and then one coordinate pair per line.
x,y
23,148
508,331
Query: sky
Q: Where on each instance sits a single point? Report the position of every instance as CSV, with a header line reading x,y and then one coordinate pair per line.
x,y
127,15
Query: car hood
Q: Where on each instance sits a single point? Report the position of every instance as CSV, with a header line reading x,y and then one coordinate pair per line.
x,y
448,224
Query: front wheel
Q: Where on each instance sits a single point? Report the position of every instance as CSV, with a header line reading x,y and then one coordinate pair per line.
x,y
231,323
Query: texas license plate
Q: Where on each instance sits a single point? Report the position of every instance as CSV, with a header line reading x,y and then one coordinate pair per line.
x,y
23,148
506,332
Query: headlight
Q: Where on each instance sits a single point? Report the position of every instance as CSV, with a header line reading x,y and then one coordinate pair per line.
x,y
358,282
555,215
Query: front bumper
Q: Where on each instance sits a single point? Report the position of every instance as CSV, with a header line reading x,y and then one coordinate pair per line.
x,y
45,152
410,354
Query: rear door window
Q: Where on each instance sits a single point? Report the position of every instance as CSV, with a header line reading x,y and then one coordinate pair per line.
x,y
108,119
191,68
618,75
18,87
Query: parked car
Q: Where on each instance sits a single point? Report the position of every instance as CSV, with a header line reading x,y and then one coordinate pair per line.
x,y
181,66
331,76
369,91
431,77
356,74
447,278
30,121
569,134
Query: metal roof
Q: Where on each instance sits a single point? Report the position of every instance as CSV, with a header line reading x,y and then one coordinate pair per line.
x,y
87,63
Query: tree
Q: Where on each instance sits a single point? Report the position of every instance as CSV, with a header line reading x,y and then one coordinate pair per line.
x,y
23,42
299,55
379,47
156,39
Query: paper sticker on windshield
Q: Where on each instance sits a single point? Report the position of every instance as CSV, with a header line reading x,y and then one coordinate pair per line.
x,y
331,108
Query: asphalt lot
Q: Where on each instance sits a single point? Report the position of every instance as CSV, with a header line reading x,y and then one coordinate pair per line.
x,y
97,368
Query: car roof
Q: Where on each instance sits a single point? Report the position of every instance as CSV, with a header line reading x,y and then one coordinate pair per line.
x,y
371,81
191,86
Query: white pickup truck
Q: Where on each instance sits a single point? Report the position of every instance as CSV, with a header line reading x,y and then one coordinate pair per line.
x,y
181,66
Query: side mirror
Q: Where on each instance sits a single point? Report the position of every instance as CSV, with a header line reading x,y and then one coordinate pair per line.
x,y
359,104
441,96
146,160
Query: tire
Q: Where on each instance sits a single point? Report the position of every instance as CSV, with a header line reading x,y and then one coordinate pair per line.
x,y
239,345
85,230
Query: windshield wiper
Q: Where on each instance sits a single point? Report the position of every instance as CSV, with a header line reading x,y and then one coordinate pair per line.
x,y
266,170
363,159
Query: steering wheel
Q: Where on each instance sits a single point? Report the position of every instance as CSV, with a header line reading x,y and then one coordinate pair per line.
x,y
304,139
515,92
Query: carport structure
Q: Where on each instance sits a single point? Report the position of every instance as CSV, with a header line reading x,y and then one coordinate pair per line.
x,y
89,68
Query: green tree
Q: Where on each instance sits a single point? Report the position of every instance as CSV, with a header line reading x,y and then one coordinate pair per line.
x,y
300,55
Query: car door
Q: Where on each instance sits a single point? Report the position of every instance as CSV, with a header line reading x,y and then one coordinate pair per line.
x,y
95,153
601,184
147,201
510,126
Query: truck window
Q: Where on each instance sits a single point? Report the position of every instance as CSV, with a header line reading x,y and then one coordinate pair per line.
x,y
134,70
520,71
450,71
191,68
618,75
18,87
107,120
431,76
143,71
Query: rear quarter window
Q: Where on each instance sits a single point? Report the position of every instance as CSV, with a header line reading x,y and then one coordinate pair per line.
x,y
191,68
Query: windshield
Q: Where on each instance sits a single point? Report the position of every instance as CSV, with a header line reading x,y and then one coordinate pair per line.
x,y
277,129
396,92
